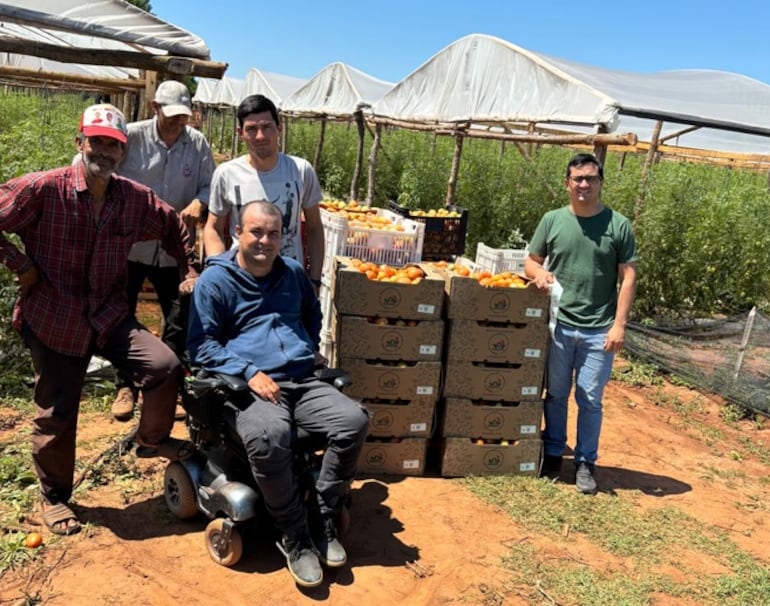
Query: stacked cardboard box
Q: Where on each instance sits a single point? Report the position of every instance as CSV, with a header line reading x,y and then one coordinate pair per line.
x,y
495,363
389,338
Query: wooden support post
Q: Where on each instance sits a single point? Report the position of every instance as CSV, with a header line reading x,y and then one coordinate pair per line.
x,y
531,131
455,172
284,133
222,129
600,149
320,145
150,86
372,163
359,155
646,168
744,342
234,133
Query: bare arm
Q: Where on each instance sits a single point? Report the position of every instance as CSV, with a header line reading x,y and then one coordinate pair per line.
x,y
533,268
617,335
315,241
214,234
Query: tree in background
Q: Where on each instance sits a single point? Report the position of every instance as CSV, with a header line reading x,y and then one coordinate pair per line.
x,y
143,4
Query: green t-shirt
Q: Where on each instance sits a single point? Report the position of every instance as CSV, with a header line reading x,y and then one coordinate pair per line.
x,y
584,254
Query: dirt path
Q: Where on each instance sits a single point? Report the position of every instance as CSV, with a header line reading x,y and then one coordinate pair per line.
x,y
413,541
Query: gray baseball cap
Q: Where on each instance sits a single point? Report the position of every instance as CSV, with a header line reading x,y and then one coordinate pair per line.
x,y
173,98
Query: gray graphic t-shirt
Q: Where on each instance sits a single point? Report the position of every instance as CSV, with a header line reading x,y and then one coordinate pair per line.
x,y
292,185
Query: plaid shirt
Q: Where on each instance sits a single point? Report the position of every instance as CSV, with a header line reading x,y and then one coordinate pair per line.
x,y
82,262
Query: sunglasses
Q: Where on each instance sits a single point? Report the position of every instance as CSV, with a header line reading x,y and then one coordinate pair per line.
x,y
590,179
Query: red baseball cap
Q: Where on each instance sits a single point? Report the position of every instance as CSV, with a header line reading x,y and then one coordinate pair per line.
x,y
104,120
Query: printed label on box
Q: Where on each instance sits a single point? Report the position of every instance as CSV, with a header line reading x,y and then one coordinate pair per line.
x,y
427,350
424,390
532,353
411,464
526,467
418,427
426,309
534,312
529,391
527,430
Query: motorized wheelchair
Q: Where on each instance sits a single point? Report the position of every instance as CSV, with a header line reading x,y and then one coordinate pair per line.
x,y
217,480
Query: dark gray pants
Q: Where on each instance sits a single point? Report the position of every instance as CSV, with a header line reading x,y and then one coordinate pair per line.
x,y
267,432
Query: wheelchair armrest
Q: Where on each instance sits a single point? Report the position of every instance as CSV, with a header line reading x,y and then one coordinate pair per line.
x,y
204,382
334,376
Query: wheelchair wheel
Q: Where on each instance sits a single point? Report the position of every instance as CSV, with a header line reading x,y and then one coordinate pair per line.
x,y
179,491
231,553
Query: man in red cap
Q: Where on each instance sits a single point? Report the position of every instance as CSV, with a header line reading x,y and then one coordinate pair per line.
x,y
78,224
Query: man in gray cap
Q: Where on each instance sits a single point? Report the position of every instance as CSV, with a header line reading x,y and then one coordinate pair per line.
x,y
175,161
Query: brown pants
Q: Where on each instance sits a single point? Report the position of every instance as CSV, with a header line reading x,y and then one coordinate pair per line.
x,y
59,378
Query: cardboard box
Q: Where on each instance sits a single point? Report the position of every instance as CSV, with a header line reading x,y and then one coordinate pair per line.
x,y
511,343
522,383
491,420
355,294
461,457
401,418
469,300
399,456
383,381
389,338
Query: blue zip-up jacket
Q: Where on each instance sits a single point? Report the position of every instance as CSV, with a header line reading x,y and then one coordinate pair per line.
x,y
240,324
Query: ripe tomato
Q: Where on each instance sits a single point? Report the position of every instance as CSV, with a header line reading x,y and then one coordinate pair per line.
x,y
34,539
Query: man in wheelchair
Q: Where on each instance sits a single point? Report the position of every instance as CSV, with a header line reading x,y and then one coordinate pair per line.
x,y
254,314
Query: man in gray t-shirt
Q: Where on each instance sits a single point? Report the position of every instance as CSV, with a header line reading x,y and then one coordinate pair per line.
x,y
288,182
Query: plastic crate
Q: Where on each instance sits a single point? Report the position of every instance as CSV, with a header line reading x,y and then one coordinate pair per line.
x,y
444,236
498,260
349,239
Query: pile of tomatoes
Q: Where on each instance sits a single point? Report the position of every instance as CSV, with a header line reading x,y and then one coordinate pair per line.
x,y
504,279
410,274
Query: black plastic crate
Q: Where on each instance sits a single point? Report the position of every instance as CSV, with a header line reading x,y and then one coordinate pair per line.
x,y
444,236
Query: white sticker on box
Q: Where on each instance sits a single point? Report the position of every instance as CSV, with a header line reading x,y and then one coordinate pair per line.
x,y
529,391
527,430
424,308
533,312
531,353
417,427
411,464
425,390
524,467
427,350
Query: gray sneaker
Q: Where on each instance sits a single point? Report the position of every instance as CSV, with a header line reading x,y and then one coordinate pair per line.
x,y
584,478
330,550
302,560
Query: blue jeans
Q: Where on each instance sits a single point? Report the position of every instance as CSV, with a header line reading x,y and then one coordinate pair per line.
x,y
579,353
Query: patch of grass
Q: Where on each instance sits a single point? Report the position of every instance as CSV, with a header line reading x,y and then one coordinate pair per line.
x,y
731,414
637,374
14,553
642,541
18,482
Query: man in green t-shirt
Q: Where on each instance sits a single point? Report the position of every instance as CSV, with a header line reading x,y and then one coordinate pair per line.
x,y
590,250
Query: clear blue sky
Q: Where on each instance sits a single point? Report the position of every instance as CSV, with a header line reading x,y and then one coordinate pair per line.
x,y
388,40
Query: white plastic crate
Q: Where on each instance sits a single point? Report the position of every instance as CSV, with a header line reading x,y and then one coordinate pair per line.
x,y
325,299
497,260
348,239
